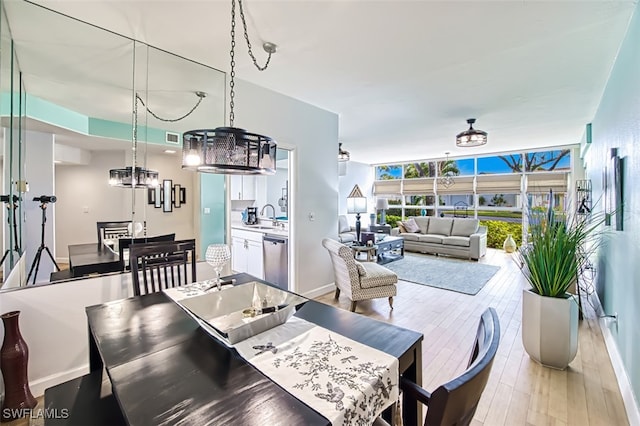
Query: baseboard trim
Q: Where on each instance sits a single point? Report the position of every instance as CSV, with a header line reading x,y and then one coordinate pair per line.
x,y
630,403
39,386
320,291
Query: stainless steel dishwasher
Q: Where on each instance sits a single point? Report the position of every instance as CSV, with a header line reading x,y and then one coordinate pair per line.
x,y
276,260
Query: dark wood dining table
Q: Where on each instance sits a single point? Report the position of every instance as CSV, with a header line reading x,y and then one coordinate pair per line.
x,y
92,258
165,369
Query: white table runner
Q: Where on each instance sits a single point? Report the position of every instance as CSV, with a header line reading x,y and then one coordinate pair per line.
x,y
347,382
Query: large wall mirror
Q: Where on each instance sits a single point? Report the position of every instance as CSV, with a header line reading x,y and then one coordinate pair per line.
x,y
92,101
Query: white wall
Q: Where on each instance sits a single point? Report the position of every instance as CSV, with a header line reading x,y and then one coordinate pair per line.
x,y
312,133
85,197
39,174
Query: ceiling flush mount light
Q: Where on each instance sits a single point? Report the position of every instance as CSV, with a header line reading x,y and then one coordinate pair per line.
x,y
446,180
471,137
231,150
342,154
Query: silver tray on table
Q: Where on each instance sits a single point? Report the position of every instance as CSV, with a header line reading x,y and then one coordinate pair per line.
x,y
223,310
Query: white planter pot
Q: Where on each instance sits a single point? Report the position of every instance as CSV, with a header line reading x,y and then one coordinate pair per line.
x,y
550,329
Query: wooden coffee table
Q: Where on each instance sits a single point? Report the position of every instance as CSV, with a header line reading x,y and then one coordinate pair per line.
x,y
369,250
390,249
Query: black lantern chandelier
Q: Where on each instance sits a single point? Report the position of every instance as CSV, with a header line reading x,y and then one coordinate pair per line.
x,y
471,137
231,150
134,177
140,177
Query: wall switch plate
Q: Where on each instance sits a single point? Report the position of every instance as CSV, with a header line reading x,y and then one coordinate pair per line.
x,y
312,216
207,210
85,209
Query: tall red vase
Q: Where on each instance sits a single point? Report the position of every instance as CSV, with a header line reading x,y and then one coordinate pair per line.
x,y
14,357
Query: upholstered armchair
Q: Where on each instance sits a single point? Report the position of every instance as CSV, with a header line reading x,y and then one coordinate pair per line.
x,y
359,280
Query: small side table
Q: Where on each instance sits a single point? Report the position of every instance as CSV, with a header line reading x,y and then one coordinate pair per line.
x,y
370,250
384,229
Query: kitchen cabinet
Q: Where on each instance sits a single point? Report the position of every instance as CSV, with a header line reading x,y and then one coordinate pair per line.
x,y
246,252
243,187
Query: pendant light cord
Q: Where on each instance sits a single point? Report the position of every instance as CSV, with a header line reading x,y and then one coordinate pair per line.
x,y
200,95
270,48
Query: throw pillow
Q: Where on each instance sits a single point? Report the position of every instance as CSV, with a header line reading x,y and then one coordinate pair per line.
x,y
401,227
411,226
361,271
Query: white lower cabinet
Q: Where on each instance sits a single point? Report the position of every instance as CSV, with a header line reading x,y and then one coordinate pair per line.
x,y
246,252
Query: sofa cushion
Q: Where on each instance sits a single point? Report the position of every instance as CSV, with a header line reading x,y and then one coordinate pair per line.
x,y
464,227
412,226
347,237
411,236
432,238
440,225
423,223
343,224
456,241
377,276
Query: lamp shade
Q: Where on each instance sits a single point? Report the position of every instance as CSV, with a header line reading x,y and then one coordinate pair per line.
x,y
356,202
382,204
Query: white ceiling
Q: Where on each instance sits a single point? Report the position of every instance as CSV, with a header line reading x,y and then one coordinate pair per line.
x,y
404,75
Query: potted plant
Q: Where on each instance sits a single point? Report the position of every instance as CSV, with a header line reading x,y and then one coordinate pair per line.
x,y
556,253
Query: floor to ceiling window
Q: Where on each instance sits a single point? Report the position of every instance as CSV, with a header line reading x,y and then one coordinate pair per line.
x,y
496,189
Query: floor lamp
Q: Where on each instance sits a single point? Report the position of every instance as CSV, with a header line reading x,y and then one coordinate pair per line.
x,y
356,203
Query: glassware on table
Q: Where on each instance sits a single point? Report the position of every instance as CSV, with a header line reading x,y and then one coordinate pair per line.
x,y
217,256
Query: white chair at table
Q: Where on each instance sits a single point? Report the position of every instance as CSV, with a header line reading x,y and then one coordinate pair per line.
x,y
359,281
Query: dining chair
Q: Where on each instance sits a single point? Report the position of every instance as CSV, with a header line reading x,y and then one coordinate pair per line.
x,y
157,266
112,230
125,243
455,402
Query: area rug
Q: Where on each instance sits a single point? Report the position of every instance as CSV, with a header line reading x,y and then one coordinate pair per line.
x,y
463,276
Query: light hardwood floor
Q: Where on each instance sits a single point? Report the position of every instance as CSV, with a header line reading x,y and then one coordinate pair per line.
x,y
519,391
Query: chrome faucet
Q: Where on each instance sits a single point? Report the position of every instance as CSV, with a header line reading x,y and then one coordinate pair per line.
x,y
273,218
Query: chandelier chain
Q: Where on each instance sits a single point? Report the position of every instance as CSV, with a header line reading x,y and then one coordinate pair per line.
x,y
171,120
135,132
232,83
246,37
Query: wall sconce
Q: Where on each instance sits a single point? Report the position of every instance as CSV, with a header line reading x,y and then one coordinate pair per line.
x,y
167,196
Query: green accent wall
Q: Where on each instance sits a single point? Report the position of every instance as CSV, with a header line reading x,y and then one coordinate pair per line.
x,y
212,197
48,112
617,125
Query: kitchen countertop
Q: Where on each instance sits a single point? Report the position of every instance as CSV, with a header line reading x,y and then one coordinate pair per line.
x,y
263,228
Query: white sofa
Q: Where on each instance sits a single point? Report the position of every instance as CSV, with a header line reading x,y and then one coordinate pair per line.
x,y
441,235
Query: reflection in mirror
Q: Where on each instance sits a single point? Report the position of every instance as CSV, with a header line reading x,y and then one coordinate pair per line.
x,y
13,185
82,84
